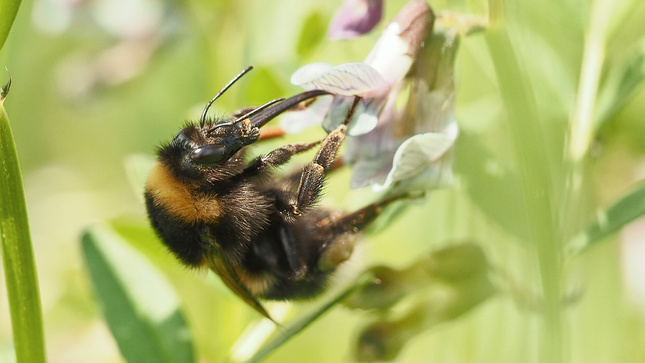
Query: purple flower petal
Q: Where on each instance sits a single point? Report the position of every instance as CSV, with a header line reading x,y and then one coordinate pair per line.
x,y
354,18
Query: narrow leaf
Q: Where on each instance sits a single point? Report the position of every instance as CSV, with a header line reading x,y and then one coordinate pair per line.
x,y
624,211
140,307
17,253
8,11
622,82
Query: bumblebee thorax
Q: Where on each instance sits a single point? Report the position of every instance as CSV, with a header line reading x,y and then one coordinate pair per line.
x,y
180,199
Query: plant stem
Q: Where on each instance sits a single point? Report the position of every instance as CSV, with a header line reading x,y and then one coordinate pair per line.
x,y
593,57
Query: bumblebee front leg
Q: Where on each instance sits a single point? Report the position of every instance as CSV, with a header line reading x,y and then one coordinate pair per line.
x,y
276,157
311,180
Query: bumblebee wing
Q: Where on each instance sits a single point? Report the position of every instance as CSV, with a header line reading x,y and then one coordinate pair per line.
x,y
228,274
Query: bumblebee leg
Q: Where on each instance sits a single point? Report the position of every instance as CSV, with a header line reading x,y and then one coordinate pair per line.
x,y
360,219
276,157
346,226
311,180
293,178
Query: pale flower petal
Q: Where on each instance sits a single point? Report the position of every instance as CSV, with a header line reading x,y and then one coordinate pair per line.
x,y
396,49
309,72
364,119
348,79
390,56
418,154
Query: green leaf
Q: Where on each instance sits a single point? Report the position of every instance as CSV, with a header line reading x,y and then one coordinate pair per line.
x,y
140,307
627,209
8,11
17,253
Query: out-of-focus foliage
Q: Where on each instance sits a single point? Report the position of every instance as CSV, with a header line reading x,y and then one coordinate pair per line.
x,y
549,102
139,306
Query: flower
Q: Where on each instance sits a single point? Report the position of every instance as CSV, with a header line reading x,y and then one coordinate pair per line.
x,y
404,125
374,80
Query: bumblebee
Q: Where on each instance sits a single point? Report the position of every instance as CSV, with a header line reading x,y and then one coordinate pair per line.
x,y
263,235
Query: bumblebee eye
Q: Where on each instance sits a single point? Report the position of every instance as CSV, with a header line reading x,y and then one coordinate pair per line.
x,y
209,154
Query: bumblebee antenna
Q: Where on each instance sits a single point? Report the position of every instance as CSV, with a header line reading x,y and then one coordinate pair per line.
x,y
202,119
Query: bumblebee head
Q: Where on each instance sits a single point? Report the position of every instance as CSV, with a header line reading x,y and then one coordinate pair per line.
x,y
195,148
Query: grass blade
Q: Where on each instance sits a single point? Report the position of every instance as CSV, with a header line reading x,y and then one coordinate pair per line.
x,y
528,140
624,211
140,307
17,253
623,80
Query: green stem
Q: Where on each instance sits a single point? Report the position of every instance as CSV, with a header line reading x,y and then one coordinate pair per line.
x,y
582,121
592,61
17,254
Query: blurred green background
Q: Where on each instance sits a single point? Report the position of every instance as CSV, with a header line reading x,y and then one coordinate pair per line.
x,y
96,82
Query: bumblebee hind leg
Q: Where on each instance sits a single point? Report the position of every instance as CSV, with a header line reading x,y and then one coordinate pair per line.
x,y
345,227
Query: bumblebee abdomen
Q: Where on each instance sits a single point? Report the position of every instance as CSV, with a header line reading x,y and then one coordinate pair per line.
x,y
180,237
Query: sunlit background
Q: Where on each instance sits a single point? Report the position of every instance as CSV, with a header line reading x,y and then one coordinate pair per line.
x,y
98,84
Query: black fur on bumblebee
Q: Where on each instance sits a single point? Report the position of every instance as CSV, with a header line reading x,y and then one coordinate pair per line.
x,y
263,235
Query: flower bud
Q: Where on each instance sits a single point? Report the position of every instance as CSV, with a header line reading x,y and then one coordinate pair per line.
x,y
384,339
457,263
388,287
354,18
